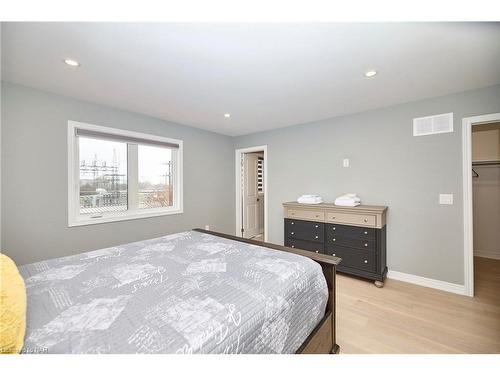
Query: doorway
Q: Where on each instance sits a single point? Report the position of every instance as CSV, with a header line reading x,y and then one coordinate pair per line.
x,y
251,193
481,176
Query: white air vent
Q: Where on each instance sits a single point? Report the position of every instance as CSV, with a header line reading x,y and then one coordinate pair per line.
x,y
433,124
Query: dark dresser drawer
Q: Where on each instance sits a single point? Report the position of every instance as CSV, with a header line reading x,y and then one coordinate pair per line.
x,y
332,238
351,231
360,238
363,260
304,245
304,230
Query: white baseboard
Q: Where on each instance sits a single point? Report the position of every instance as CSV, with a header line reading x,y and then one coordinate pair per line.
x,y
424,281
487,254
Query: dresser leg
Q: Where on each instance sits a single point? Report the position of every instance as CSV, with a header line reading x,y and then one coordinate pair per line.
x,y
379,284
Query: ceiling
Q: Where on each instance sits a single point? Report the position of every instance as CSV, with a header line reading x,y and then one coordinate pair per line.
x,y
266,76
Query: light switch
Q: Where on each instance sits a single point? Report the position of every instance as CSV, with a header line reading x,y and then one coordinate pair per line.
x,y
207,227
345,163
445,198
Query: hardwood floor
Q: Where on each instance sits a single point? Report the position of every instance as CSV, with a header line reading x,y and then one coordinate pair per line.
x,y
406,318
259,237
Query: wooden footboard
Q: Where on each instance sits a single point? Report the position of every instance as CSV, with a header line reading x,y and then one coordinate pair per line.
x,y
322,339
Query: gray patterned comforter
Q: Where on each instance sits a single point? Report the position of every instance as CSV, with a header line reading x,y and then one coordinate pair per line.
x,y
189,292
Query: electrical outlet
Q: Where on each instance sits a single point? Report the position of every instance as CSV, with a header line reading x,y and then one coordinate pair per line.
x,y
445,198
345,163
207,227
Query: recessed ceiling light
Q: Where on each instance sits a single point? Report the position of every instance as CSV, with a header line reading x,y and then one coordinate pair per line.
x,y
370,73
227,115
71,62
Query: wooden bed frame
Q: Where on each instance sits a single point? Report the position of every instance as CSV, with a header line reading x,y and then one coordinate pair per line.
x,y
322,339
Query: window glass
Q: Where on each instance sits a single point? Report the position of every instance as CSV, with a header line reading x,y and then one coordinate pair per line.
x,y
103,176
155,177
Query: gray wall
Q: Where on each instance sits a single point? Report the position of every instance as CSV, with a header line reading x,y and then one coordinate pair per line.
x,y
389,167
34,177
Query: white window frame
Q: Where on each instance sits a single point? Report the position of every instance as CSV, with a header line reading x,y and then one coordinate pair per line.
x,y
77,219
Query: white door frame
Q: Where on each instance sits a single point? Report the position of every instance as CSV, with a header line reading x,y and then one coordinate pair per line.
x,y
467,124
238,170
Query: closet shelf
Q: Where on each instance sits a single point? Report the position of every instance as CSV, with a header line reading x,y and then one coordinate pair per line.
x,y
486,162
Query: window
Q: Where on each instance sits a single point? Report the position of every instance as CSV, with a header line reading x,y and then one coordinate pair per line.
x,y
260,174
103,176
120,175
155,177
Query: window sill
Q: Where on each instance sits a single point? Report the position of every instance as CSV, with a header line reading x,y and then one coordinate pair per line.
x,y
81,221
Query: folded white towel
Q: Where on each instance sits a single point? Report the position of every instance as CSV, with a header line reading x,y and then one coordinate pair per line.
x,y
349,200
349,195
310,199
346,203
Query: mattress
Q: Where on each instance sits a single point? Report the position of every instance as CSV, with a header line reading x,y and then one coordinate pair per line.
x,y
188,292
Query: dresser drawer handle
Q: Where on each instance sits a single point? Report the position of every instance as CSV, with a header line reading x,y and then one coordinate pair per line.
x,y
293,223
366,261
334,255
365,231
316,237
366,245
292,213
334,240
333,217
316,226
365,220
334,228
317,251
317,215
292,233
293,246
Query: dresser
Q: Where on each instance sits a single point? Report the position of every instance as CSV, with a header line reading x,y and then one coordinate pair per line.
x,y
355,234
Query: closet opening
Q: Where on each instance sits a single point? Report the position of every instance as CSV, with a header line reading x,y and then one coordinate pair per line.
x,y
481,203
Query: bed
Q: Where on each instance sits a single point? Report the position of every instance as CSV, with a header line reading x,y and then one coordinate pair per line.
x,y
191,292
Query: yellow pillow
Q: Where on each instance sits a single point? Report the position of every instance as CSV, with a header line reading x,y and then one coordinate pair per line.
x,y
12,307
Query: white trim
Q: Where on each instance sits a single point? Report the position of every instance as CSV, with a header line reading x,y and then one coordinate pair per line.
x,y
74,219
238,153
123,216
132,175
467,124
429,283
